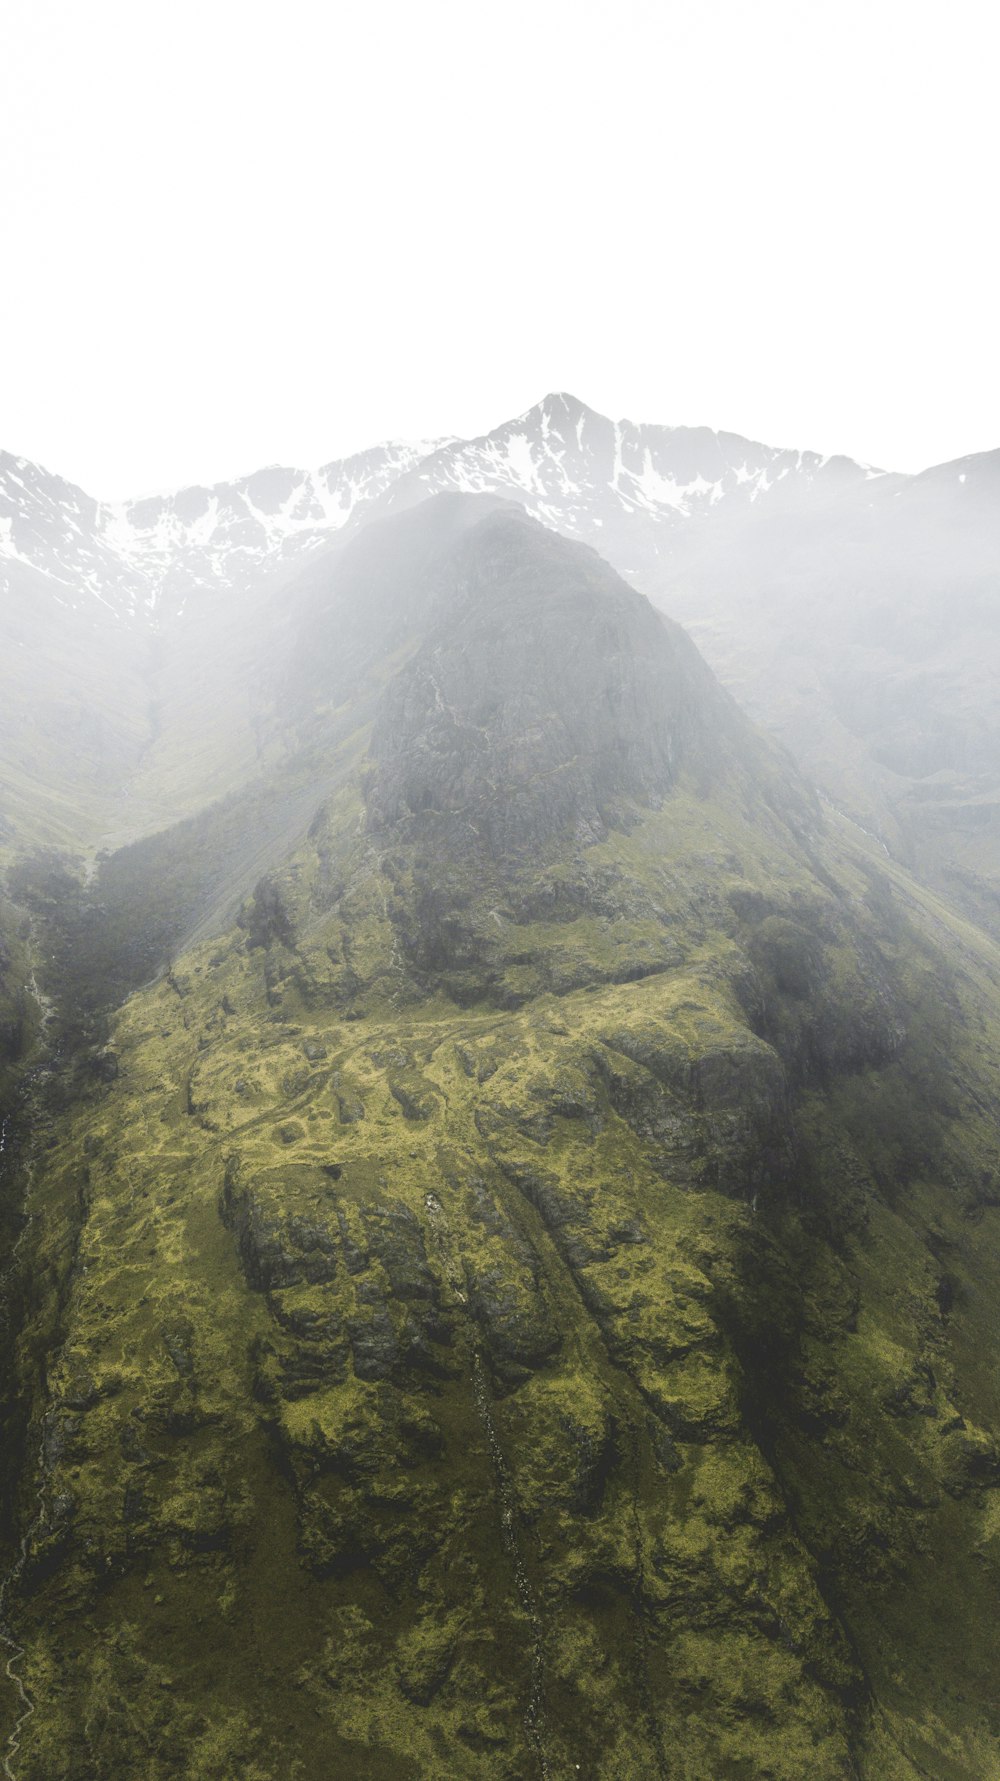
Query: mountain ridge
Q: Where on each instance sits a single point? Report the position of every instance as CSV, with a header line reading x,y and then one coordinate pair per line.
x,y
149,550
518,1292
851,613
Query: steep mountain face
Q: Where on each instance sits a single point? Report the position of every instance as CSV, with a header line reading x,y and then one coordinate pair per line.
x,y
478,731
633,491
853,613
519,1301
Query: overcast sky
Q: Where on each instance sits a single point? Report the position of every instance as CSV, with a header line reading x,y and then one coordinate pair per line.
x,y
237,231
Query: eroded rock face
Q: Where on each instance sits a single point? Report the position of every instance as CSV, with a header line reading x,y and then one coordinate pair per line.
x,y
547,698
296,1231
279,1221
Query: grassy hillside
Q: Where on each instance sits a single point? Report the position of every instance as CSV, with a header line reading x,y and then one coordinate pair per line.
x,y
520,1301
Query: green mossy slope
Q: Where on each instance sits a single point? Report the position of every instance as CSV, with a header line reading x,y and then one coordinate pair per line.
x,y
521,1301
597,1372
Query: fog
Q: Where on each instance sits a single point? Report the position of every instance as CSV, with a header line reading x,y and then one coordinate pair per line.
x,y
500,908
233,238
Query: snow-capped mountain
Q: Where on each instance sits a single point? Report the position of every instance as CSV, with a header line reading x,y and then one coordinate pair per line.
x,y
851,611
51,528
148,557
219,536
629,489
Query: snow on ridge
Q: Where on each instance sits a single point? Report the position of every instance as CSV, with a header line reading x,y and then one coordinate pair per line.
x,y
215,535
571,467
559,456
124,554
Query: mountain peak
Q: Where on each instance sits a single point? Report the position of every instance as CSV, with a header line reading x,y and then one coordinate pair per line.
x,y
507,737
565,406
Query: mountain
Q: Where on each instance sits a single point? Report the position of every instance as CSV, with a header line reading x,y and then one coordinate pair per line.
x,y
630,490
92,603
612,484
514,1295
868,638
144,632
146,558
851,612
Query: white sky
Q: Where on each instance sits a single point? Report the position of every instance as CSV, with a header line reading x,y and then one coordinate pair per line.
x,y
240,231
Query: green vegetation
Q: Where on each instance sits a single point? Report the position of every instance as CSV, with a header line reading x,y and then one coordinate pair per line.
x,y
576,1371
519,1300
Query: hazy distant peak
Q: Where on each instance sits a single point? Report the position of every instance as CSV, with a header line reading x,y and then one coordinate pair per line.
x,y
561,408
978,467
